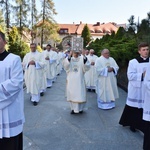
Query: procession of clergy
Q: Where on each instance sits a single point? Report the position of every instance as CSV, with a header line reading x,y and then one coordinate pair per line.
x,y
83,69
88,72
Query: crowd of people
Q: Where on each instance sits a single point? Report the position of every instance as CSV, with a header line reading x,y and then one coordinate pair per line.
x,y
88,72
85,72
41,70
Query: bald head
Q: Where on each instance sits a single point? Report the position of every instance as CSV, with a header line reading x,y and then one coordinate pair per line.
x,y
105,53
92,51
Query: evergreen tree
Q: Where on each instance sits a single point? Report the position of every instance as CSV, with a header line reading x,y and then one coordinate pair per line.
x,y
132,25
34,19
148,17
21,14
144,31
86,34
5,7
2,22
15,45
48,25
120,33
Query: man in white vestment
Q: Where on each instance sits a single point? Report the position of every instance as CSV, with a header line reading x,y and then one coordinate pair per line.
x,y
75,67
133,110
107,91
33,65
90,76
50,58
11,99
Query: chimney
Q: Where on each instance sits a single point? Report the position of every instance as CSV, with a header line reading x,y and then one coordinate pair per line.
x,y
80,22
98,23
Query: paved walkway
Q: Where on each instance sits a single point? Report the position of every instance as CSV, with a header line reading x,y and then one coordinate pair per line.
x,y
50,126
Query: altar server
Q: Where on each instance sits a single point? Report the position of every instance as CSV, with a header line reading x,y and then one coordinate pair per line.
x,y
11,99
133,111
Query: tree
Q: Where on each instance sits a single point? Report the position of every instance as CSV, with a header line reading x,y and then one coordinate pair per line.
x,y
120,33
15,45
143,33
148,17
48,25
34,19
86,34
6,10
2,23
21,12
132,25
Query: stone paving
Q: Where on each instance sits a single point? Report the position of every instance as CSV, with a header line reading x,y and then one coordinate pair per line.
x,y
50,126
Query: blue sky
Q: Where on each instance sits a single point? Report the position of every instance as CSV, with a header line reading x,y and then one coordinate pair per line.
x,y
92,11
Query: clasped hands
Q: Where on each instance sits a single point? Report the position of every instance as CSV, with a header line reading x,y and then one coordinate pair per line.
x,y
32,62
92,63
47,58
110,69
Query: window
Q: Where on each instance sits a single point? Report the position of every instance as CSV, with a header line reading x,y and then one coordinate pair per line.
x,y
63,31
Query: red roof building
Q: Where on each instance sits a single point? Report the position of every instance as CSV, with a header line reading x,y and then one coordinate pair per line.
x,y
98,30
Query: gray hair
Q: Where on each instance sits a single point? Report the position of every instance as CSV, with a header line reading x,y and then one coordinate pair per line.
x,y
104,50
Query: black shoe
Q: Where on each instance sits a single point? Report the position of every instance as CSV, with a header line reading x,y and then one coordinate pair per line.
x,y
93,90
132,129
72,112
35,103
42,94
81,111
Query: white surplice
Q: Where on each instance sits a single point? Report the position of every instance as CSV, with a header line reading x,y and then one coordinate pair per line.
x,y
106,86
11,96
146,95
90,75
135,86
76,90
33,74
